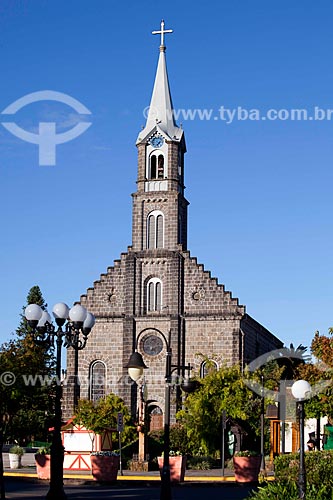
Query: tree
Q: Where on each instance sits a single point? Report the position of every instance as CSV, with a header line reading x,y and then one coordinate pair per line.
x,y
27,393
102,415
291,359
322,370
224,389
322,347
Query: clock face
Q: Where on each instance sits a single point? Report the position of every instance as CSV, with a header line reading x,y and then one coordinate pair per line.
x,y
157,141
152,345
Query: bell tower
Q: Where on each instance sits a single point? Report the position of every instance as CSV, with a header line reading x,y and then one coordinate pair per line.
x,y
159,205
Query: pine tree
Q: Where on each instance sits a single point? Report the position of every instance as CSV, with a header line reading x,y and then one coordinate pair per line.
x,y
34,297
29,400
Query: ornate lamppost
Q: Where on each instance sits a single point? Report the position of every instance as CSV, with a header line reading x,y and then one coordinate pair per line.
x,y
4,419
262,429
71,325
135,367
301,389
2,485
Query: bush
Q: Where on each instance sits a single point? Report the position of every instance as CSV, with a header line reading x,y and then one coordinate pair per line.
x,y
288,490
318,465
319,477
17,450
179,440
200,463
44,450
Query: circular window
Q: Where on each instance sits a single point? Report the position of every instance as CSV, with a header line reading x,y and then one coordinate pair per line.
x,y
152,345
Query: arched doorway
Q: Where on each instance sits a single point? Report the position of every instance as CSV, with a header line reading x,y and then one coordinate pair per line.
x,y
155,414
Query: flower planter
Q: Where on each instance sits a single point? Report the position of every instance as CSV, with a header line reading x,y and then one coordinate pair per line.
x,y
246,469
43,466
104,468
15,461
177,467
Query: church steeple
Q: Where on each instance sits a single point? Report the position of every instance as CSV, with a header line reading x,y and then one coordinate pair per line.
x,y
161,112
159,206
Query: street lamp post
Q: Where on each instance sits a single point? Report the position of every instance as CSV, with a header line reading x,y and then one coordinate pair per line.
x,y
135,367
301,390
262,428
71,324
3,422
2,485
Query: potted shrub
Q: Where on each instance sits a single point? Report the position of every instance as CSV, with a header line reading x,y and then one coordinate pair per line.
x,y
246,466
104,465
15,456
177,463
43,463
98,417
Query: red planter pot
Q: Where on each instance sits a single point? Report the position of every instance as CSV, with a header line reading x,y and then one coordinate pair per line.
x,y
177,467
104,468
43,466
246,469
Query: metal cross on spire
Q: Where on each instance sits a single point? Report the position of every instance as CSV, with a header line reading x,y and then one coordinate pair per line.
x,y
161,32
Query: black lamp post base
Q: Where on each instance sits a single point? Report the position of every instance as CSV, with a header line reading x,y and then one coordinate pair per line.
x,y
166,493
57,493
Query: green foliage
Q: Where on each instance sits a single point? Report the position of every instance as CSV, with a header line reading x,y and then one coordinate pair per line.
x,y
318,464
224,389
105,453
319,476
322,349
246,453
155,443
179,439
28,406
101,415
288,490
200,463
44,450
17,450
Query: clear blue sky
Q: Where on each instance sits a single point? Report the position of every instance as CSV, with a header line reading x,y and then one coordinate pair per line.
x,y
260,192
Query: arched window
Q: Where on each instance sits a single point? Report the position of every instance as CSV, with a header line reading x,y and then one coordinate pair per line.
x,y
97,380
155,229
152,167
160,170
154,294
156,166
208,367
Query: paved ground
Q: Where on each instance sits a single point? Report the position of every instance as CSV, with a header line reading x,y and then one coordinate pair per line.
x,y
19,489
29,469
22,484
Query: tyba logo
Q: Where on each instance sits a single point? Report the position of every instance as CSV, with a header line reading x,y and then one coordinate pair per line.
x,y
47,138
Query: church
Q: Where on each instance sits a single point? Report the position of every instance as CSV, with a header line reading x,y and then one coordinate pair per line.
x,y
157,296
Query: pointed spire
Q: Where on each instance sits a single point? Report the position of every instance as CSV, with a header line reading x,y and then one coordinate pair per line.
x,y
160,112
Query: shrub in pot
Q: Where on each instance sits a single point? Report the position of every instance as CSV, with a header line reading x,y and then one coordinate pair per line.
x,y
177,463
98,417
246,466
15,456
104,465
43,463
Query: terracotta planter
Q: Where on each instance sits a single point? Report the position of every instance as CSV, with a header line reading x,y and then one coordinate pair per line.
x,y
43,466
177,467
15,461
246,469
104,468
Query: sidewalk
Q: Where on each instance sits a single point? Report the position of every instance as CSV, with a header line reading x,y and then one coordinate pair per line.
x,y
209,476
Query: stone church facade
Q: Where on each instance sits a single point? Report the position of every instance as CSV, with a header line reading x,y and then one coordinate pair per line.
x,y
157,290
